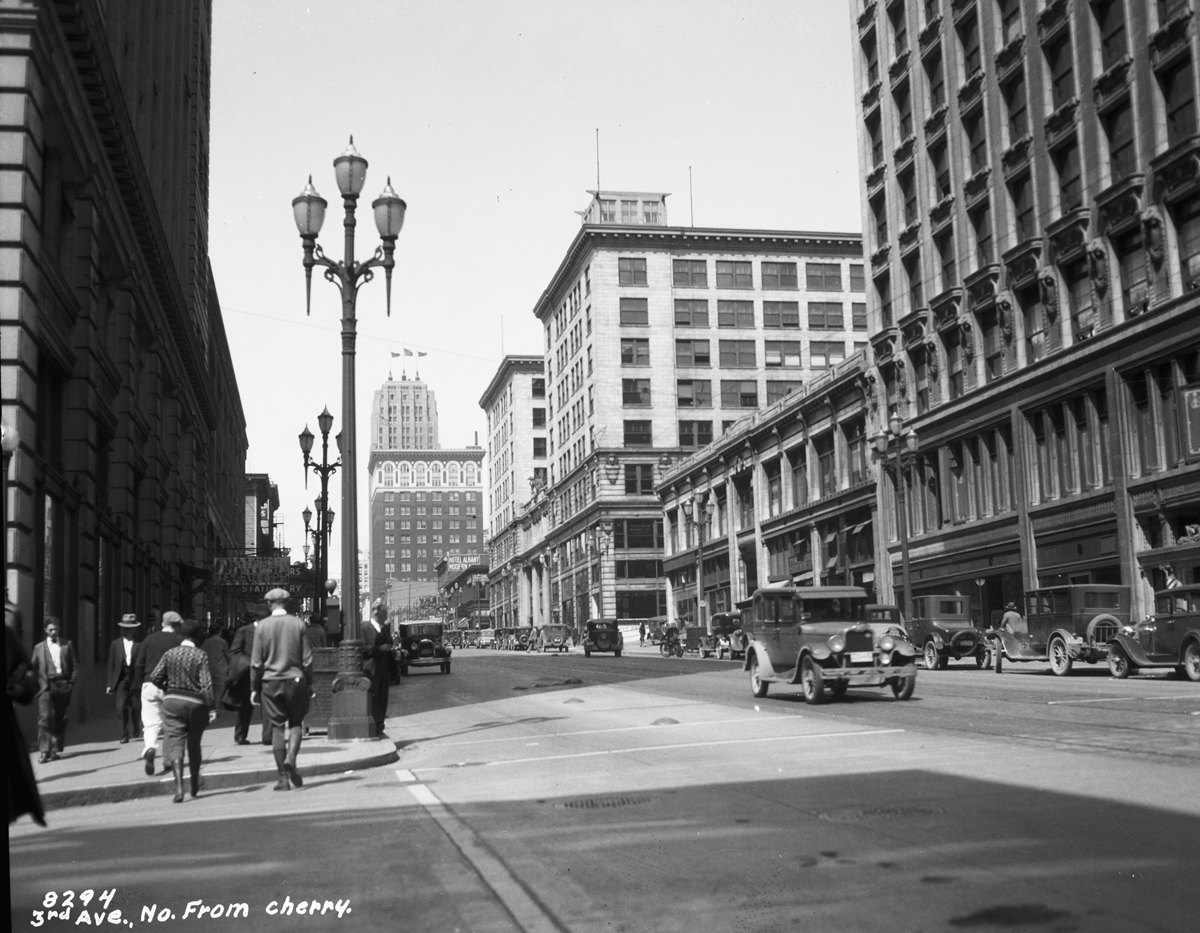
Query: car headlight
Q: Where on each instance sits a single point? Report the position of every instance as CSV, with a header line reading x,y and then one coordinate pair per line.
x,y
887,643
837,644
1129,630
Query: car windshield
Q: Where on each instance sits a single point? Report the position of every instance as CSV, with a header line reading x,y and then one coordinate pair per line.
x,y
829,610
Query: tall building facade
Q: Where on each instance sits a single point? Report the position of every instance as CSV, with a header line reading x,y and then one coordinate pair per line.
x,y
127,473
1032,207
517,454
657,340
404,416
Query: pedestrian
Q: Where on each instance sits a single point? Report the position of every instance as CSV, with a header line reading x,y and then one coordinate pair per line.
x,y
120,679
183,675
377,660
281,679
642,633
240,655
217,649
149,653
1012,620
54,662
22,687
317,636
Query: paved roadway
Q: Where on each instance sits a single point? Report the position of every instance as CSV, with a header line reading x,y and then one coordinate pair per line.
x,y
552,793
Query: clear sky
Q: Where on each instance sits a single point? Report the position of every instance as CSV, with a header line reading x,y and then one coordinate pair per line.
x,y
484,115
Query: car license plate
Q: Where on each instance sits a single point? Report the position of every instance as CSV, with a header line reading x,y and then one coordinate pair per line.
x,y
860,657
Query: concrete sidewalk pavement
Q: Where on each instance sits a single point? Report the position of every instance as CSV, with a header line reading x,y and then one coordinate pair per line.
x,y
96,768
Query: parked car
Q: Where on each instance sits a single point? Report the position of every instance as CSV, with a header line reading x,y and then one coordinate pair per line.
x,y
941,628
422,645
486,638
822,636
553,638
1169,638
602,635
1067,624
522,638
731,640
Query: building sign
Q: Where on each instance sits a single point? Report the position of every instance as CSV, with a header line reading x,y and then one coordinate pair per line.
x,y
1191,421
456,563
251,572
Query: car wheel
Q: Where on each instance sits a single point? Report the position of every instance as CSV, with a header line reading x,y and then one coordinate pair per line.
x,y
902,687
839,687
403,670
1118,662
810,680
679,652
931,656
758,686
1191,661
665,650
1060,657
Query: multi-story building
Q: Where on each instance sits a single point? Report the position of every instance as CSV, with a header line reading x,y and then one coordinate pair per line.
x,y
404,416
128,474
657,340
1032,208
515,404
262,502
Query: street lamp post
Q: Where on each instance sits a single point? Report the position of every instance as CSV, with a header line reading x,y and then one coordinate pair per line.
x,y
699,516
899,445
324,469
351,703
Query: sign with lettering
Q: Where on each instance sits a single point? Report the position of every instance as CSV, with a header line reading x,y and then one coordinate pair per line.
x,y
251,572
1190,412
456,563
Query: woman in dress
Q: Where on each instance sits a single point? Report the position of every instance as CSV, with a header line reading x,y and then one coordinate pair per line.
x,y
188,704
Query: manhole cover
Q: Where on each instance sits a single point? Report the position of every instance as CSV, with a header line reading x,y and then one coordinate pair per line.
x,y
878,814
602,803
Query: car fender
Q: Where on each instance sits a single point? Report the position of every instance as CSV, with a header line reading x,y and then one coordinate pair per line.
x,y
756,650
1132,648
938,641
905,648
1191,638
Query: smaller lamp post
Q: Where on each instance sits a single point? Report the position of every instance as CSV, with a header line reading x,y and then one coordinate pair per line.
x,y
699,516
324,469
896,448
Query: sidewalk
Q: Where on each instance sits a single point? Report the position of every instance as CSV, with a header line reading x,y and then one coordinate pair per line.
x,y
96,768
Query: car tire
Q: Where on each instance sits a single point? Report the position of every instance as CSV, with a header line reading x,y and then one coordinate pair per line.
x,y
679,652
1118,662
930,654
902,687
617,652
403,670
811,681
1059,656
758,686
721,655
1191,662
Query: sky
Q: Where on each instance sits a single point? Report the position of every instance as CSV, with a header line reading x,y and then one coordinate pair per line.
x,y
485,116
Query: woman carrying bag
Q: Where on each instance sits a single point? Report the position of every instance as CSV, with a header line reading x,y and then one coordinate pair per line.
x,y
188,704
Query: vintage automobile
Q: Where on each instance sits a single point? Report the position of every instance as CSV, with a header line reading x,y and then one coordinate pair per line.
x,y
1169,638
522,638
553,638
422,645
731,640
486,638
1066,624
697,639
603,635
821,636
941,628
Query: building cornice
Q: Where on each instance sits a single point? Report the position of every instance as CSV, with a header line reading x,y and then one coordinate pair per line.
x,y
508,367
425,456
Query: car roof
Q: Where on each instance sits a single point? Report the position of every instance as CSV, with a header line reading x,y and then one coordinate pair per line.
x,y
1177,590
814,592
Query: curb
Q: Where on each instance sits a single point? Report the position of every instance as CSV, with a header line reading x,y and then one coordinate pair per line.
x,y
164,786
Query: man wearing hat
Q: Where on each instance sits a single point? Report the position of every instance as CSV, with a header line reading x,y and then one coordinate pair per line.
x,y
146,659
120,679
377,660
281,675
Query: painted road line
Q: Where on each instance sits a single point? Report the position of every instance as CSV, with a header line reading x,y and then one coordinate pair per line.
x,y
530,914
406,777
1166,696
669,747
565,735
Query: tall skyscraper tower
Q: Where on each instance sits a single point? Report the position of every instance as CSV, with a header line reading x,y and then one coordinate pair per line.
x,y
404,416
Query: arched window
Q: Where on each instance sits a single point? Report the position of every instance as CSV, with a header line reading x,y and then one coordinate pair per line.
x,y
420,472
452,475
435,474
470,474
405,475
389,474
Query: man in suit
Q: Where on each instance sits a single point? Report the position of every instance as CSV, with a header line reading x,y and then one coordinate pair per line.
x,y
377,660
145,660
120,679
54,660
217,649
240,655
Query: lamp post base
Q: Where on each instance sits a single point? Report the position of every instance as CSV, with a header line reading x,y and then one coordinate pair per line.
x,y
350,717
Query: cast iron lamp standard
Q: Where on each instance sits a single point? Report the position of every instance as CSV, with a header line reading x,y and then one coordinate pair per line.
x,y
896,448
350,718
699,516
324,469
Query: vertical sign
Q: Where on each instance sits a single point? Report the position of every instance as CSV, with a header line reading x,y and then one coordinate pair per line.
x,y
1190,413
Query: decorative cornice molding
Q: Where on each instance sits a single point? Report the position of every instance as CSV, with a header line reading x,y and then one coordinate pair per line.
x,y
909,236
1016,156
1113,85
875,178
1022,261
898,69
1068,235
935,123
1052,20
982,286
976,187
941,213
1061,122
880,257
870,98
944,307
1010,55
1177,171
1171,40
904,152
970,93
929,35
1119,206
867,17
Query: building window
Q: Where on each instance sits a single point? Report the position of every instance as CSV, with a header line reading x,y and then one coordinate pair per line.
x,y
693,393
823,276
1079,291
870,50
1070,187
539,448
908,194
1179,101
1021,192
825,354
1118,125
608,211
899,18
635,351
993,346
637,434
1135,276
975,128
825,315
920,358
734,275
936,72
779,388
634,311
943,243
650,213
737,354
858,279
739,393
799,465
939,167
690,273
954,361
1017,106
1110,23
538,388
629,212
692,353
777,314
968,35
826,465
691,312
639,479
981,225
631,271
782,353
1062,71
1010,20
735,314
779,275
635,392
539,417
879,212
916,289
883,294
856,451
695,433
875,138
858,315
1035,323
